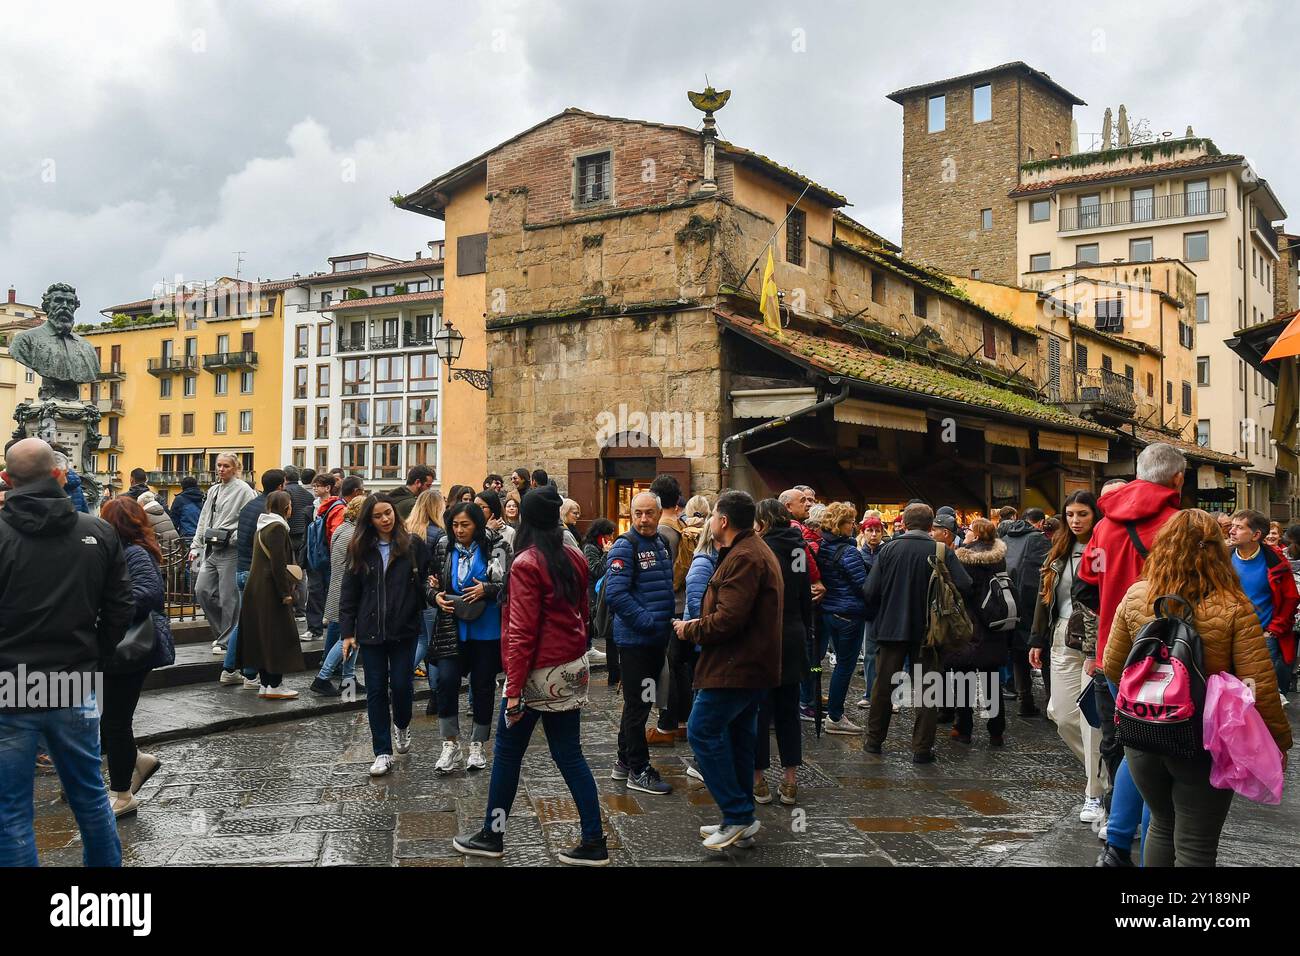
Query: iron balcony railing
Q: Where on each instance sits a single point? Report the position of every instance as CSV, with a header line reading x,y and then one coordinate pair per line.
x,y
165,477
219,360
1130,212
352,345
111,442
110,406
384,342
1265,229
1108,391
112,371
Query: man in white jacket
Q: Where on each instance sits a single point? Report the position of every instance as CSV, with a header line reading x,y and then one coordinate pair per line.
x,y
214,547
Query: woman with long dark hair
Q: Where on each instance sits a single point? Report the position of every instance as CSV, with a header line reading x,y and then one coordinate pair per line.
x,y
386,588
459,493
1188,559
544,642
470,567
1058,628
490,502
268,635
128,768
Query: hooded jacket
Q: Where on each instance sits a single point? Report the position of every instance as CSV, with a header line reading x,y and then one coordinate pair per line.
x,y
221,509
1111,563
185,511
160,521
72,485
403,501
989,649
65,595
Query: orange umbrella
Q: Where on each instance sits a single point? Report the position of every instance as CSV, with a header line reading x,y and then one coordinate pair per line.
x,y
1288,343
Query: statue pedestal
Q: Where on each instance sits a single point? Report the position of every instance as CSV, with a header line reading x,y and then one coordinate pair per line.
x,y
72,426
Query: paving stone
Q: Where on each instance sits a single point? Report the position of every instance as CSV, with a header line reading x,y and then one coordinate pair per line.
x,y
353,819
365,848
251,850
259,826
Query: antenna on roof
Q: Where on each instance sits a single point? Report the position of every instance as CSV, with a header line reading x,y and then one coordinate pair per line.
x,y
239,262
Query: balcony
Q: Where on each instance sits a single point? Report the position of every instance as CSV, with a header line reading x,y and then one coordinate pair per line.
x,y
219,361
381,342
352,346
171,364
110,406
1097,391
111,442
112,373
165,477
1264,229
419,341
1139,212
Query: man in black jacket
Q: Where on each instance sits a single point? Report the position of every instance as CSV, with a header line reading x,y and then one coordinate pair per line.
x,y
902,573
1027,549
65,603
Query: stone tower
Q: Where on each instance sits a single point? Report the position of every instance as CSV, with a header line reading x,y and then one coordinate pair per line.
x,y
964,140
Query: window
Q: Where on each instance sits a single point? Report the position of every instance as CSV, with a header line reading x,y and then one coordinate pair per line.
x,y
189,386
990,341
1040,261
388,417
1151,384
1202,307
1254,263
796,234
877,287
421,453
299,458
417,285
1141,250
388,456
246,421
1040,210
424,372
246,341
301,341
1202,370
322,381
356,419
918,302
1241,258
1169,393
187,423
1107,363
346,265
222,383
390,373
223,343
1109,315
1090,211
1196,197
322,459
986,220
982,104
164,424
1241,314
322,422
1081,357
1196,246
937,115
300,424
593,179
1128,374
165,387
326,299
1203,433
421,331
355,458
975,274
300,381
219,423
1187,398
1241,375
168,351
389,288
322,340
246,383
356,376
422,416
1090,253
1142,202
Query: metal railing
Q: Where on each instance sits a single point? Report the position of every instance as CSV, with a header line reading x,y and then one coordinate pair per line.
x,y
347,345
1064,384
165,477
1138,211
113,371
178,580
385,342
1265,228
110,406
111,443
229,359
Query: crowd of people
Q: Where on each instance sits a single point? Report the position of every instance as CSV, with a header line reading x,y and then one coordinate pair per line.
x,y
722,616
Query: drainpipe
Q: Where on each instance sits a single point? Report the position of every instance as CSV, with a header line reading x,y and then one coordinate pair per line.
x,y
785,419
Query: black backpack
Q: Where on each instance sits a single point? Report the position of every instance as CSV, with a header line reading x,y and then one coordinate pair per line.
x,y
1160,707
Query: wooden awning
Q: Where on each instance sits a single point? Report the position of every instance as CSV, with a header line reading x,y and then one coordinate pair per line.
x,y
1093,449
854,411
1006,435
1054,441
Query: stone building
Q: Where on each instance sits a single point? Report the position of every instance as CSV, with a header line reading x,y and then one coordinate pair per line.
x,y
621,271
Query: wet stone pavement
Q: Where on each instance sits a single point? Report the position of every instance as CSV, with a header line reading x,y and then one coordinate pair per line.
x,y
298,794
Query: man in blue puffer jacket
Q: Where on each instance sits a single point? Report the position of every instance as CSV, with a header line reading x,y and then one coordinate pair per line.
x,y
639,592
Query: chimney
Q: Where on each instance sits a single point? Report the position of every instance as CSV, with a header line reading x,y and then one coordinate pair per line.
x,y
13,296
419,254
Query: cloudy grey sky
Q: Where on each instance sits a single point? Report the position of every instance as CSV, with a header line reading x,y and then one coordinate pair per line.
x,y
144,141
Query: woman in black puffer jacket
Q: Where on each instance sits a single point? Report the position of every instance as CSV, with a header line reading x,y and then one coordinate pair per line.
x,y
982,556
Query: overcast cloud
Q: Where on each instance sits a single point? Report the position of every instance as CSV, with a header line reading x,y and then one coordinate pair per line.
x,y
143,141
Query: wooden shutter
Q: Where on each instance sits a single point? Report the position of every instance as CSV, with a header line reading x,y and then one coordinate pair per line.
x,y
679,468
471,254
584,488
990,340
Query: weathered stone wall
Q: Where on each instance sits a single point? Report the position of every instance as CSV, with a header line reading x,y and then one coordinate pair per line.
x,y
1285,290
567,380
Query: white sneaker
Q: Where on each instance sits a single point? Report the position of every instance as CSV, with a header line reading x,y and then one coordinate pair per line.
x,y
277,693
231,677
1285,702
383,764
711,828
402,739
1101,833
251,682
596,657
727,835
475,760
692,771
218,650
842,726
831,660
449,758
1092,811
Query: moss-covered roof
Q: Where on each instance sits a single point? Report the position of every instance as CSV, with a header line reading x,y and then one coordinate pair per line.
x,y
835,357
1190,449
1128,345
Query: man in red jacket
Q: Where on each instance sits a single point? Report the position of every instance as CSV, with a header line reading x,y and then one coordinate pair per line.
x,y
1266,578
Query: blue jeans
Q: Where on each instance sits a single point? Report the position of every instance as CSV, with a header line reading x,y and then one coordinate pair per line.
x,y
72,735
333,659
806,685
845,634
562,736
390,689
241,578
1279,665
722,731
1127,810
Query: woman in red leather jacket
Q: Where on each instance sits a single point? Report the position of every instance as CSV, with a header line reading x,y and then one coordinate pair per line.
x,y
544,655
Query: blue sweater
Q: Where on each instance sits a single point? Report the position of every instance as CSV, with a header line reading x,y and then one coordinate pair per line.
x,y
844,574
639,589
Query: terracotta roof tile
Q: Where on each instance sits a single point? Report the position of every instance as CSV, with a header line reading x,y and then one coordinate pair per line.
x,y
1175,165
378,300
1190,449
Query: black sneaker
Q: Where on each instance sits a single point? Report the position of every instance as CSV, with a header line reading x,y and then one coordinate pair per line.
x,y
926,757
1112,857
871,748
648,781
483,843
587,853
619,772
324,688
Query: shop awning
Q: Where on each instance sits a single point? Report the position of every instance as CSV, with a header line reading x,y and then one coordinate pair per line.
x,y
1093,449
1004,435
854,411
1052,441
768,403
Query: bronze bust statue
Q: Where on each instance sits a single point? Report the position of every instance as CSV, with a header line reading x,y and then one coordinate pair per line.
x,y
62,358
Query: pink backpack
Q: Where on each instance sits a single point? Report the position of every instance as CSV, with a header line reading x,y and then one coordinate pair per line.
x,y
1161,699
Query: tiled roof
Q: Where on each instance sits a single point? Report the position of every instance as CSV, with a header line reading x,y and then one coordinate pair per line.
x,y
343,278
1119,341
1016,66
1190,449
278,285
834,357
854,224
1131,172
370,302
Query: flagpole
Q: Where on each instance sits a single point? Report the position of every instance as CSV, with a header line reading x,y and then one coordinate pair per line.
x,y
771,238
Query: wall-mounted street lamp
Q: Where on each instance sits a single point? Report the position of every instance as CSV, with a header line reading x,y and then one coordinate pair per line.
x,y
447,343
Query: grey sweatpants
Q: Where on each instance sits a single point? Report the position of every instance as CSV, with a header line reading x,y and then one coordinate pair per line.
x,y
216,592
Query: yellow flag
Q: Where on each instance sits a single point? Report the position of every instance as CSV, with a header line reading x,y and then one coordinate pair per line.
x,y
768,302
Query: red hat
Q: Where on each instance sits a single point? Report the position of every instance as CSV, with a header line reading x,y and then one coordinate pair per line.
x,y
871,521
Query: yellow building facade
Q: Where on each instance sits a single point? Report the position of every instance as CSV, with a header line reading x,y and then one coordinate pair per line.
x,y
17,382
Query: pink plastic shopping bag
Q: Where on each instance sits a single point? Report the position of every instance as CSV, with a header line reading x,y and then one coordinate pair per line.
x,y
1245,758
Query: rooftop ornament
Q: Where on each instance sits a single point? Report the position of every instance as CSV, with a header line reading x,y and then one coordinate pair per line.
x,y
708,103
